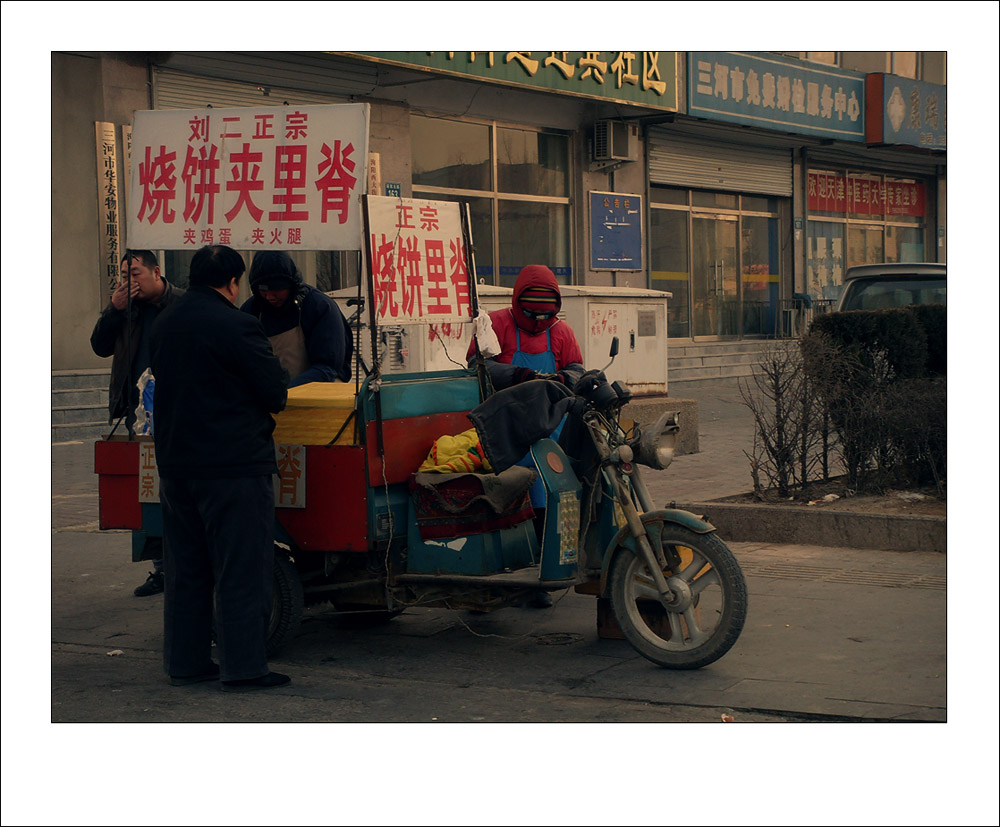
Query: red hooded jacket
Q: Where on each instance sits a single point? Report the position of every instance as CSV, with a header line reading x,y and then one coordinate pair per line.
x,y
533,339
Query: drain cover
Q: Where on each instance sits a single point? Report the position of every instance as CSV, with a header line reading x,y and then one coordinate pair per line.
x,y
558,639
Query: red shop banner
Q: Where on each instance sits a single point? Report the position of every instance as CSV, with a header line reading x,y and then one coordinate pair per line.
x,y
861,195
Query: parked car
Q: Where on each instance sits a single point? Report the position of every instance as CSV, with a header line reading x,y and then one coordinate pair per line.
x,y
877,286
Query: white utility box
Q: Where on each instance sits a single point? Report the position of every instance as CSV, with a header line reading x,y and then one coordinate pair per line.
x,y
596,314
638,317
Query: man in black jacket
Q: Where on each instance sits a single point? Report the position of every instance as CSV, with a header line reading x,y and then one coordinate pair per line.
x,y
217,382
143,292
305,326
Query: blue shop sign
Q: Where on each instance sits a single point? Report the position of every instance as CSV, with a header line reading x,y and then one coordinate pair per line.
x,y
904,111
777,93
615,231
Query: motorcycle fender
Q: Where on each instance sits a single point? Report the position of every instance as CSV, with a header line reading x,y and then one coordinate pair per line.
x,y
624,538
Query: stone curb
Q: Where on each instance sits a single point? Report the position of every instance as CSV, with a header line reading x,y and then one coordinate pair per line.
x,y
843,529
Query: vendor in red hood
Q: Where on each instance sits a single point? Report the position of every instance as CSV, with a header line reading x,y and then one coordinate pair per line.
x,y
534,344
533,340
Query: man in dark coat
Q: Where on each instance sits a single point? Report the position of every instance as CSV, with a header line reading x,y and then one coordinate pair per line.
x,y
217,384
306,328
150,293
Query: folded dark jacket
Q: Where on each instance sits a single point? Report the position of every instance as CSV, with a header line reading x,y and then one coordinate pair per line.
x,y
514,419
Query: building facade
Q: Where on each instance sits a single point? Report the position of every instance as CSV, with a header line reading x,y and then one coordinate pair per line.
x,y
739,182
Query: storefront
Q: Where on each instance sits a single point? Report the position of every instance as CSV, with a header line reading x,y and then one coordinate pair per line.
x,y
719,233
779,176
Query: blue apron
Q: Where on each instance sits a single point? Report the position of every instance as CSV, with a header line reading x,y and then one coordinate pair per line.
x,y
544,362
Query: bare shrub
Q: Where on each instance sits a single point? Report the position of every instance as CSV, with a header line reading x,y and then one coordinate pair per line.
x,y
791,440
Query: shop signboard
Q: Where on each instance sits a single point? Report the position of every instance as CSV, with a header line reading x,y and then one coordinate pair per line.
x,y
418,261
781,94
903,111
615,231
639,78
865,196
250,178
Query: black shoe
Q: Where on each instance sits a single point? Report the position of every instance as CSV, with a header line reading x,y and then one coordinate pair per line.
x,y
271,679
153,585
210,674
540,600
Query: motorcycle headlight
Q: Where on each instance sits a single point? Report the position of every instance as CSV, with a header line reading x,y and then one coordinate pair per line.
x,y
656,444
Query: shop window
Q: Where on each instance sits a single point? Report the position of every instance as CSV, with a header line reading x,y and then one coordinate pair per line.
x,y
721,258
533,233
904,244
450,154
714,200
825,260
532,163
669,269
517,182
864,246
879,218
760,269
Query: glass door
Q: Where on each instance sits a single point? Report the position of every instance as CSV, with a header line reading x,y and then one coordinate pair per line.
x,y
715,275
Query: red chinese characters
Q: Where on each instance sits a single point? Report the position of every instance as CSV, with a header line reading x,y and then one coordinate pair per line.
x,y
257,178
418,261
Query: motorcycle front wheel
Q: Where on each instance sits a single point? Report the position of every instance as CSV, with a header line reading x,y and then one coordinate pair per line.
x,y
709,606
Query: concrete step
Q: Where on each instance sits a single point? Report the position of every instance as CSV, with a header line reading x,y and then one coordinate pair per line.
x,y
710,362
76,397
713,359
82,431
76,414
696,348
92,378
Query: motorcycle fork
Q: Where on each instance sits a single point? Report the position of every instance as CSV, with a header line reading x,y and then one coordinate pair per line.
x,y
653,558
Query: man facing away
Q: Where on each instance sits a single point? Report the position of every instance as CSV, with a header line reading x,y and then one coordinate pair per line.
x,y
217,384
150,293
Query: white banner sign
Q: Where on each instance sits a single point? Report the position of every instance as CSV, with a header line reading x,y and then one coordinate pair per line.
x,y
418,261
250,178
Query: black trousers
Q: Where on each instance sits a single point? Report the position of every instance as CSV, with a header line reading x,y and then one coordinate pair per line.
x,y
218,541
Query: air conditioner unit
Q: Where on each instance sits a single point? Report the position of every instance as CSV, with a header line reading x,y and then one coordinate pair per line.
x,y
612,141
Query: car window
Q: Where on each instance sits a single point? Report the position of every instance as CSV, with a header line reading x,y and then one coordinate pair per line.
x,y
872,294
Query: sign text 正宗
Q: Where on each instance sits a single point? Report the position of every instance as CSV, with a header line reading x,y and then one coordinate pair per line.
x,y
418,261
250,178
777,93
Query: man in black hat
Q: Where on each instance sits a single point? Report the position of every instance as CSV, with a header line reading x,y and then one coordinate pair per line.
x,y
306,328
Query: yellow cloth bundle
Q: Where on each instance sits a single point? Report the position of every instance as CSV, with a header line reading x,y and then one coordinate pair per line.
x,y
460,454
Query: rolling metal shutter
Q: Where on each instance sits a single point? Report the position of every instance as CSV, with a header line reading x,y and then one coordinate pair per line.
x,y
197,80
174,90
690,162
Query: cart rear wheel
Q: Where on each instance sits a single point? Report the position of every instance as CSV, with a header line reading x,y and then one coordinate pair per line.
x,y
286,604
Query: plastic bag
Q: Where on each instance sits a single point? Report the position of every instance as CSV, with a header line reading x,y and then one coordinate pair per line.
x,y
144,410
489,345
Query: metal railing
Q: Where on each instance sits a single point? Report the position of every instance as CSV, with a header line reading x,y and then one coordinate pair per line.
x,y
795,315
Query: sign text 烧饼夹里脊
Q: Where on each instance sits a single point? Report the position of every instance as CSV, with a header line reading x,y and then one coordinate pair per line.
x,y
249,178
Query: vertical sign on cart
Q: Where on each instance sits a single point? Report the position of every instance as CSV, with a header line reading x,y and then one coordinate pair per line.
x,y
249,178
149,477
290,491
418,261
